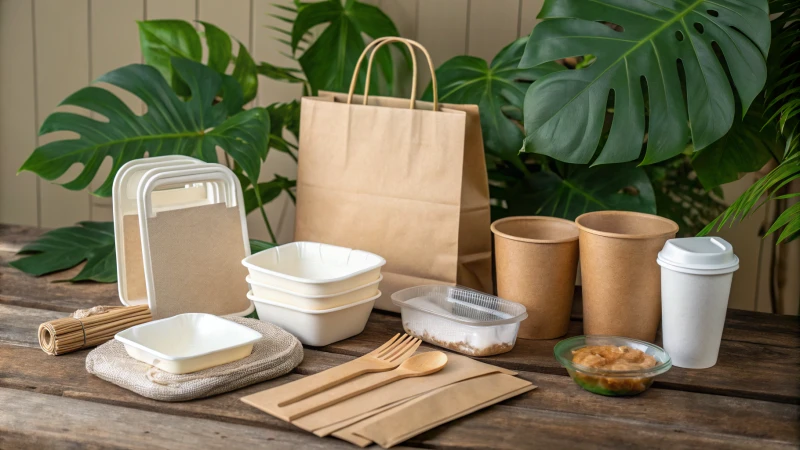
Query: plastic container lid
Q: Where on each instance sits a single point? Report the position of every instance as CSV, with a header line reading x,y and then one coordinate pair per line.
x,y
460,305
699,255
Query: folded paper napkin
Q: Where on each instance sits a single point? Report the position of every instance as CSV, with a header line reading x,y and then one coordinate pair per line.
x,y
392,413
275,354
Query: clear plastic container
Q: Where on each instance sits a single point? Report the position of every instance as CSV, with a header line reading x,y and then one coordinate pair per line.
x,y
611,382
460,319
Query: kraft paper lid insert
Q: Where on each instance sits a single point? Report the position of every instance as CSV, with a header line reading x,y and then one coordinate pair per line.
x,y
191,246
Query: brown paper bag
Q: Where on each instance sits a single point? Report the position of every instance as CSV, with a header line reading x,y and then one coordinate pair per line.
x,y
401,178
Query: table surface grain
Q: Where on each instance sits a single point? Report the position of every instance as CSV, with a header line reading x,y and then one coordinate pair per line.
x,y
750,399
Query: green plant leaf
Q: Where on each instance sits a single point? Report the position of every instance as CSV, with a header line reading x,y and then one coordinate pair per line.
x,y
269,192
258,246
93,242
162,40
284,117
287,74
584,189
681,197
64,248
497,88
329,61
170,126
246,73
745,148
565,112
219,47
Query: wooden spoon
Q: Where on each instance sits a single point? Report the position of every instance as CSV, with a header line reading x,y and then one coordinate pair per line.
x,y
416,366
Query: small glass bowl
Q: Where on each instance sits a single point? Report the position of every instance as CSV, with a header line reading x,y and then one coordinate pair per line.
x,y
611,382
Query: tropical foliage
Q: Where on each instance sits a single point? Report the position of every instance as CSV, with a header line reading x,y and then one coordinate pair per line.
x,y
525,184
666,80
195,96
642,48
781,118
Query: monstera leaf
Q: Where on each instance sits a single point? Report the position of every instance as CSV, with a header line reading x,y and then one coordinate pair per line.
x,y
170,126
497,88
745,148
580,189
639,47
64,248
92,242
329,61
162,40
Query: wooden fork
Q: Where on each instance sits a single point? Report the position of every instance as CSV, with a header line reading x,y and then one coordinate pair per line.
x,y
386,357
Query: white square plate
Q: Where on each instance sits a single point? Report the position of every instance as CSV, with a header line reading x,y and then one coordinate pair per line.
x,y
188,342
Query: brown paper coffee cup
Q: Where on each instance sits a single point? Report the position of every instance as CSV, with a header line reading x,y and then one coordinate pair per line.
x,y
536,259
620,277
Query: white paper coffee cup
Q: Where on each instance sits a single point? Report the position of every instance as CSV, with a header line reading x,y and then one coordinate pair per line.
x,y
696,275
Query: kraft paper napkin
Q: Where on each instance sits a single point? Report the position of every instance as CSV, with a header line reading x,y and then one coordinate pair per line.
x,y
458,368
435,408
322,432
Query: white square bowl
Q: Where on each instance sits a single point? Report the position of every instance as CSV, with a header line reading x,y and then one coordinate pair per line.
x,y
316,302
188,342
311,268
316,327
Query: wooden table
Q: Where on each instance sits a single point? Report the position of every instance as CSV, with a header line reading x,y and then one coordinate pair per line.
x,y
748,400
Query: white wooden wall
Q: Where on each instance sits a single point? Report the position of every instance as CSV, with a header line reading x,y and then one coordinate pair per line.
x,y
50,48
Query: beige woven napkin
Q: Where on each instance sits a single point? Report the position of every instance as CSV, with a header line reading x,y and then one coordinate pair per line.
x,y
275,354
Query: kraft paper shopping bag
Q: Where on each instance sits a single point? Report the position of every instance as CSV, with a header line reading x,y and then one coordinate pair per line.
x,y
401,178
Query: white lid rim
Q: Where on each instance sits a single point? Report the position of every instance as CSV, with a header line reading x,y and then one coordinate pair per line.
x,y
721,270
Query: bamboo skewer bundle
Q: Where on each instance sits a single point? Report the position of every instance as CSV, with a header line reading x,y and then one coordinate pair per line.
x,y
69,334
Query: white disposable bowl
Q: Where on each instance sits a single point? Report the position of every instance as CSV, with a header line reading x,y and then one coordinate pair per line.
x,y
310,268
316,327
188,342
316,302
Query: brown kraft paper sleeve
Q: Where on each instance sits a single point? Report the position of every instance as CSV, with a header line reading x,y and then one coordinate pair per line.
x,y
435,408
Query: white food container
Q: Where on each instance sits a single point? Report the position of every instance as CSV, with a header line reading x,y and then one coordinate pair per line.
x,y
460,319
315,302
188,342
316,327
310,268
696,276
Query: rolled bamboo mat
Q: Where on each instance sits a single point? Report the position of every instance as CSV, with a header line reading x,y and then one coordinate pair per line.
x,y
89,327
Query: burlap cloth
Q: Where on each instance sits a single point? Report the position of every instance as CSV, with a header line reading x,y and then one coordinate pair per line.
x,y
276,354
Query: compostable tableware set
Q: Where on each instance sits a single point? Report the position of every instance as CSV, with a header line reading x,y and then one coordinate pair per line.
x,y
183,254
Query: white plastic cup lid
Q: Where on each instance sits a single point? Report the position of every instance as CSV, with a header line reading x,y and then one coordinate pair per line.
x,y
703,255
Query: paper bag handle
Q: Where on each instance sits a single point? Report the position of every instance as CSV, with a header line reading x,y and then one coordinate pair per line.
x,y
375,46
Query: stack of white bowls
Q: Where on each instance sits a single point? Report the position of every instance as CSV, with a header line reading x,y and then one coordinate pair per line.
x,y
320,293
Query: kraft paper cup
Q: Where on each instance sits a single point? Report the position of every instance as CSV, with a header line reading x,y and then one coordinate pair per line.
x,y
536,259
620,277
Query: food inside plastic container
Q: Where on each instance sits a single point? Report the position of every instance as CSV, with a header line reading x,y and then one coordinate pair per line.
x,y
610,365
460,319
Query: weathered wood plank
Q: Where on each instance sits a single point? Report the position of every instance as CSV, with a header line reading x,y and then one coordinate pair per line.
x,y
32,370
20,325
32,420
20,289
